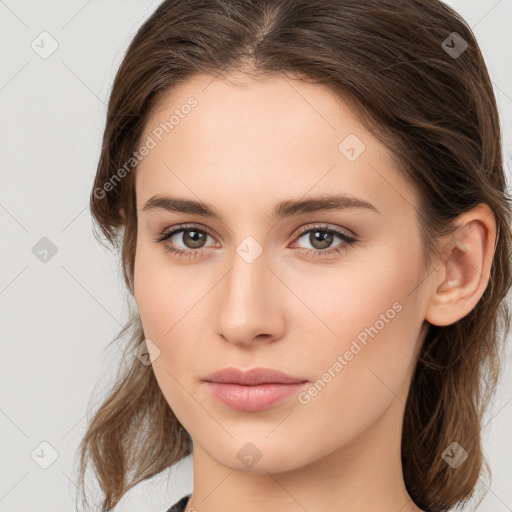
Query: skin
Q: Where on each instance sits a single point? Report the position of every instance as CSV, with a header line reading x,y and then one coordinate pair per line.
x,y
247,145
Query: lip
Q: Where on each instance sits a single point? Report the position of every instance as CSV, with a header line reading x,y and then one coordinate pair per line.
x,y
252,377
253,390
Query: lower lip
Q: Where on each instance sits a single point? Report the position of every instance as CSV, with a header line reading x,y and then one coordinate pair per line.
x,y
252,398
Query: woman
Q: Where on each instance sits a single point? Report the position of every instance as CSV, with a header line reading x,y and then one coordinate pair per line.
x,y
310,203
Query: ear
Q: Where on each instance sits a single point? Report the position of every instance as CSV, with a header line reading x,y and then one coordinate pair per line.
x,y
461,278
122,213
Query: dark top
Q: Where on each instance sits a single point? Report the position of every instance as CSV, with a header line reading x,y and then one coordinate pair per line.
x,y
180,505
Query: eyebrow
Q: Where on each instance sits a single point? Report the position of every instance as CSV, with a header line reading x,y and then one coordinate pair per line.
x,y
281,210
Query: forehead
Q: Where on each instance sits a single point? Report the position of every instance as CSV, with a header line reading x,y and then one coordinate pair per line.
x,y
255,105
239,133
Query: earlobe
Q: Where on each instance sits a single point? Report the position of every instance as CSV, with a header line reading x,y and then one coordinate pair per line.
x,y
460,281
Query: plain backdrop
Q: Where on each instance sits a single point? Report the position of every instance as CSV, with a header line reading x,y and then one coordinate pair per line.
x,y
62,299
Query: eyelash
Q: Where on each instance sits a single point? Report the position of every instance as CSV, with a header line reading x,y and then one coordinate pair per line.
x,y
192,253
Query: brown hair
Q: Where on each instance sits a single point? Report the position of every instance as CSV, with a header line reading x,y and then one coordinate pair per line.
x,y
436,112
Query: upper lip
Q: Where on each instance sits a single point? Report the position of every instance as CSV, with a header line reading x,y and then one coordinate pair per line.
x,y
251,377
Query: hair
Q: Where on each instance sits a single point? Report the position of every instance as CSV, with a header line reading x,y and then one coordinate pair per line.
x,y
437,114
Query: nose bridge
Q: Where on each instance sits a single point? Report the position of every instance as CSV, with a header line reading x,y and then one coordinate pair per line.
x,y
247,304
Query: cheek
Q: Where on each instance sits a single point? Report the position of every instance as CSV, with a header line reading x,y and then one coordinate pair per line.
x,y
374,323
168,303
365,369
156,295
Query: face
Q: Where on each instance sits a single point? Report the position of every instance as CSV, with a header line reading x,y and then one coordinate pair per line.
x,y
328,293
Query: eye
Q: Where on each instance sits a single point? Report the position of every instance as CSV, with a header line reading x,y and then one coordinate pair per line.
x,y
193,238
321,237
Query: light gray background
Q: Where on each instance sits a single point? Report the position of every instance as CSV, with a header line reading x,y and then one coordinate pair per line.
x,y
57,317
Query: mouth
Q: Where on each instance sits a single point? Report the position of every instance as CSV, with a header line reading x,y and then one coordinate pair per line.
x,y
254,390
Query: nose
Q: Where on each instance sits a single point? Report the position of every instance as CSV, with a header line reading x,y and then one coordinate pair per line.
x,y
251,303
